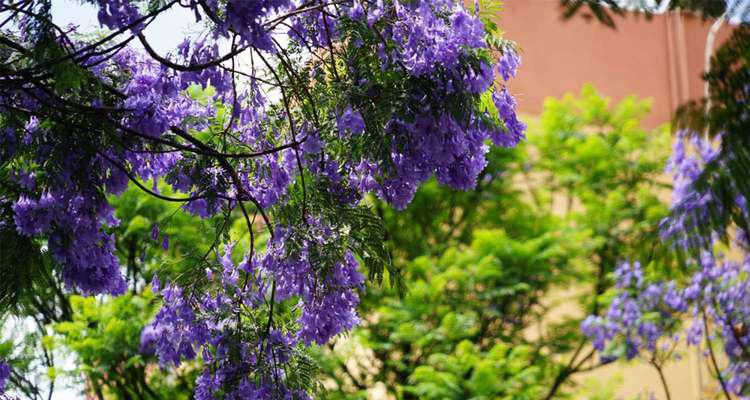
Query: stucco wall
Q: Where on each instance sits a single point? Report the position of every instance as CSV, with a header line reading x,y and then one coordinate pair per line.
x,y
661,58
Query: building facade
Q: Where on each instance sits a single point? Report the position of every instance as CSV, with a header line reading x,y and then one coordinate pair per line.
x,y
661,57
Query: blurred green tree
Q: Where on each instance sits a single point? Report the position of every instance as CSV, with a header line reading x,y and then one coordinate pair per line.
x,y
482,268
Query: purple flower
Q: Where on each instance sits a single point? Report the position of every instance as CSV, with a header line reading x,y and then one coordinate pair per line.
x,y
514,128
30,130
325,315
356,12
115,14
508,64
5,371
176,331
375,13
351,122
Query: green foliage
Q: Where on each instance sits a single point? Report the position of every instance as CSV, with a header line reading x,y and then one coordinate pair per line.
x,y
191,239
553,216
604,171
595,389
502,372
490,290
105,338
488,12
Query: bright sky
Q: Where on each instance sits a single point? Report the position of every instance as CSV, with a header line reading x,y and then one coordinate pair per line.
x,y
164,34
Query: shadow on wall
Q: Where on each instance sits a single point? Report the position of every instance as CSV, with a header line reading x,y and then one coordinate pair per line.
x,y
660,58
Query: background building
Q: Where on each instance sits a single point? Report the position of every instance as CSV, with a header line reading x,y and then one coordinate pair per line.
x,y
661,57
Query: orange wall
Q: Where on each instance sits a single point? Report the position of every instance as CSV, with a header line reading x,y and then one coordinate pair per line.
x,y
660,58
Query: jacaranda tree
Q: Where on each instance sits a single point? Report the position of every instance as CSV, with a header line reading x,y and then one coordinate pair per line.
x,y
284,114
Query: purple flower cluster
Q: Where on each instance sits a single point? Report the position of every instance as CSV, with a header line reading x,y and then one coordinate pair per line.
x,y
67,206
330,308
115,14
208,388
508,64
73,220
351,122
514,128
640,316
433,145
4,375
438,145
327,296
690,207
648,318
432,40
211,324
429,40
154,94
176,329
246,17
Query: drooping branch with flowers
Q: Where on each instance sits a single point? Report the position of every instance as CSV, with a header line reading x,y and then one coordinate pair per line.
x,y
287,113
